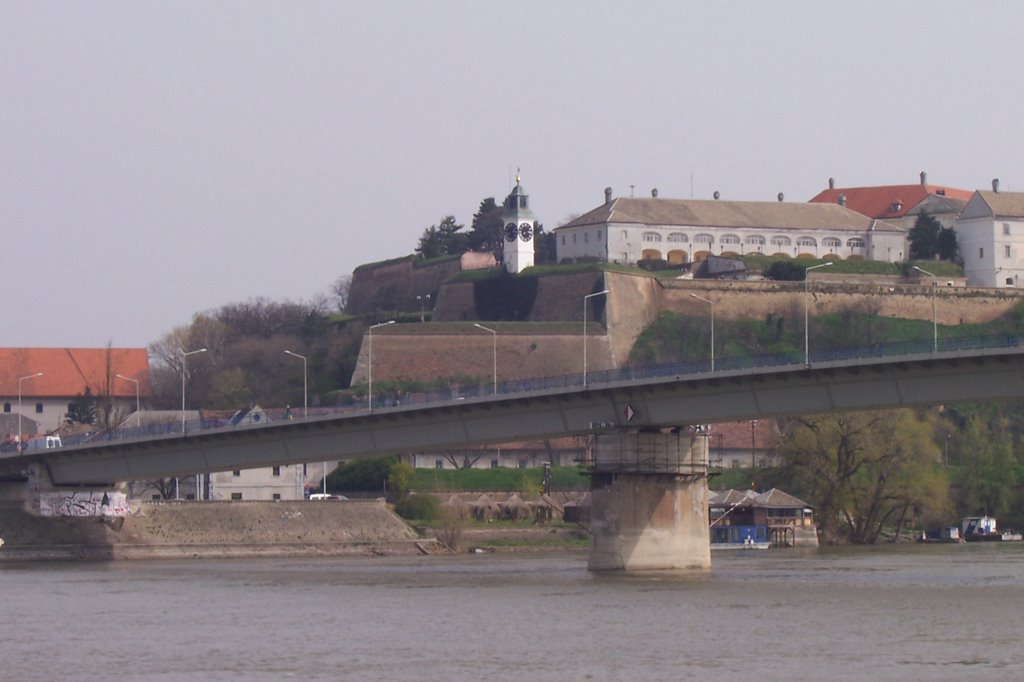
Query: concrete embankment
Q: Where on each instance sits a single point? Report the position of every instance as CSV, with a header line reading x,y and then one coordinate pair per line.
x,y
212,530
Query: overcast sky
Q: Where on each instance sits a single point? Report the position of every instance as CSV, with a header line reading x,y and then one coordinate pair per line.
x,y
160,159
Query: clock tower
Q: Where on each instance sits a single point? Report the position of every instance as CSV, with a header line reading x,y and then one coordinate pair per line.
x,y
519,226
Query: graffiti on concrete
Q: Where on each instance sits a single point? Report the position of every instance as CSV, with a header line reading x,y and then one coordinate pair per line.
x,y
83,503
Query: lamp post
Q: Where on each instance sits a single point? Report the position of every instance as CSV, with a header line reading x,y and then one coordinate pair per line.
x,y
305,397
935,319
21,445
494,352
753,444
710,303
807,292
305,382
369,369
421,299
599,293
184,359
138,415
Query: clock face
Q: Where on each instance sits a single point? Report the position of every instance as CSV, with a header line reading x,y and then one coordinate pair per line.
x,y
510,232
526,231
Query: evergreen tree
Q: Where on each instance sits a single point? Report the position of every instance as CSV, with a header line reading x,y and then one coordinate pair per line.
x,y
924,237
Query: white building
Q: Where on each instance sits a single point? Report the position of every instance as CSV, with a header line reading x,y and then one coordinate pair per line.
x,y
519,230
990,236
627,230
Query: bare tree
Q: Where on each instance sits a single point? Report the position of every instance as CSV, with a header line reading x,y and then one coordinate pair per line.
x,y
340,290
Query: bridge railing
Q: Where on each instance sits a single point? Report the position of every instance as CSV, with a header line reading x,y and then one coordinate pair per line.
x,y
679,370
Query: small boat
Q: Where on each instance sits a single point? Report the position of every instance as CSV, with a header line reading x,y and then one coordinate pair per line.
x,y
983,529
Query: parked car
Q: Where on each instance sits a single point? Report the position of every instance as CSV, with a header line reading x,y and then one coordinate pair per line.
x,y
326,496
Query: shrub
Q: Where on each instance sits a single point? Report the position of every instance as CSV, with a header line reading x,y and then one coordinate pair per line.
x,y
422,507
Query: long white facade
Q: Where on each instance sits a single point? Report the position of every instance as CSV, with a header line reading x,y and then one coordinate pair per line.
x,y
628,230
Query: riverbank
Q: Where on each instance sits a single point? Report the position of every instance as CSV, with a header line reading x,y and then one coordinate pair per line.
x,y
235,530
214,530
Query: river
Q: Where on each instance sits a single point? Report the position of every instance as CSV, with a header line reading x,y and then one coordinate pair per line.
x,y
936,612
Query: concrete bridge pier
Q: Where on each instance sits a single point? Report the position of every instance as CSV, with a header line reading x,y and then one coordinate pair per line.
x,y
649,495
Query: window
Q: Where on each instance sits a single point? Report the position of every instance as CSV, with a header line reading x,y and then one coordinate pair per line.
x,y
574,239
563,240
586,237
651,237
754,240
599,235
855,243
39,408
806,241
494,464
831,242
1009,281
678,237
277,471
729,239
781,240
236,496
236,472
277,496
981,252
1006,251
439,464
7,407
1006,229
703,238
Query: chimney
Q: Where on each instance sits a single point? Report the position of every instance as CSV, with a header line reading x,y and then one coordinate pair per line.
x,y
842,200
831,183
607,195
782,197
995,184
716,195
654,192
924,178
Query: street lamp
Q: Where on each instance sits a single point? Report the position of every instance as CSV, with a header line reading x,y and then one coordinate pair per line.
x,y
494,344
138,416
421,299
184,357
710,303
807,291
305,383
305,398
935,319
21,445
369,371
599,293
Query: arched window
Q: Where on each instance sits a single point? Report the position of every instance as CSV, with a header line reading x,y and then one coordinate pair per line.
x,y
781,240
703,238
678,237
754,240
855,243
831,242
651,237
806,241
729,239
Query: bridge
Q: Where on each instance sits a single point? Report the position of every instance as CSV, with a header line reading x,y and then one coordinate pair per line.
x,y
646,458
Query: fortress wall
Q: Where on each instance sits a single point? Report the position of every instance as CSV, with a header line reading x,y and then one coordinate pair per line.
x,y
740,299
394,286
423,357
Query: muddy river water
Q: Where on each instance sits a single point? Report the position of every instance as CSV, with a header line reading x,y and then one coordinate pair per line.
x,y
939,612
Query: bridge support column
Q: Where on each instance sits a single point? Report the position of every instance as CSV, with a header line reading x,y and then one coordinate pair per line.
x,y
649,497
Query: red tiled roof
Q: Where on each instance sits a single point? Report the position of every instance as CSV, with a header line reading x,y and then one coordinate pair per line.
x,y
68,371
878,202
736,435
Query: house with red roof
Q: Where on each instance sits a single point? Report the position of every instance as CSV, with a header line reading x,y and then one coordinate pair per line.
x,y
42,384
899,204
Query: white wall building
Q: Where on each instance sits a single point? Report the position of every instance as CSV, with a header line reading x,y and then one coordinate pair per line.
x,y
990,236
627,230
